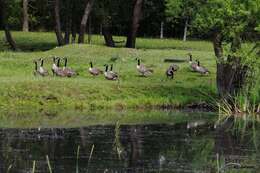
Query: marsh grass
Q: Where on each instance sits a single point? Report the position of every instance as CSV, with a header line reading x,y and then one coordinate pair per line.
x,y
90,156
49,164
240,107
77,161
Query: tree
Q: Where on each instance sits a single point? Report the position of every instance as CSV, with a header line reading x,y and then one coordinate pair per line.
x,y
84,20
5,9
137,13
25,16
227,21
183,9
57,23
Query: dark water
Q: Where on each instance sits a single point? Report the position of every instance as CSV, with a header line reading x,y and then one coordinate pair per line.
x,y
184,147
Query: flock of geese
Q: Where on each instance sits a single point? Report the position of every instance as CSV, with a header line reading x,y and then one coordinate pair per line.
x,y
109,74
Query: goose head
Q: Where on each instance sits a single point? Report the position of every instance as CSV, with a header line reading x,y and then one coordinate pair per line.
x,y
54,65
41,60
106,68
190,57
91,65
138,63
65,62
111,67
198,63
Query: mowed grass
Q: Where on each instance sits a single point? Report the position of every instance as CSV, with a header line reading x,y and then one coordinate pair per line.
x,y
21,91
35,41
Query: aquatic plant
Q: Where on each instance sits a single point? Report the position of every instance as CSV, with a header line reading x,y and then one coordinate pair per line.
x,y
77,162
49,164
90,156
34,164
239,107
117,146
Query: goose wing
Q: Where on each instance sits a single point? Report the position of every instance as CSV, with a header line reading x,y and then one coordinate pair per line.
x,y
95,71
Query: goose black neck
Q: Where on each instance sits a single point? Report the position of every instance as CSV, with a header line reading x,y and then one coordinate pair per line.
x,y
106,68
190,57
42,63
91,64
138,61
198,63
58,63
66,61
111,68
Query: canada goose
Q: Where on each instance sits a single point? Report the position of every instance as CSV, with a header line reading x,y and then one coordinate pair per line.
x,y
68,71
54,65
170,71
201,69
142,69
39,71
110,75
56,68
42,70
192,63
93,70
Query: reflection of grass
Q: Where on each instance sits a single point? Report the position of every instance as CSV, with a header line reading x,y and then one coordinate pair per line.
x,y
117,143
78,118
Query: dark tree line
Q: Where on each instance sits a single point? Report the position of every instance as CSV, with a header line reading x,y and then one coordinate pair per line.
x,y
71,18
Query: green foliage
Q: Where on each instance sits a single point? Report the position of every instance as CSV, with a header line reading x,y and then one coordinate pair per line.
x,y
227,16
182,8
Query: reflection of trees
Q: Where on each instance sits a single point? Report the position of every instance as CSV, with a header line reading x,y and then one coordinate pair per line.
x,y
238,142
148,147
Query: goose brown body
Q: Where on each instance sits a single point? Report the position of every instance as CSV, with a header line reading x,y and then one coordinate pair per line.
x,y
142,69
94,71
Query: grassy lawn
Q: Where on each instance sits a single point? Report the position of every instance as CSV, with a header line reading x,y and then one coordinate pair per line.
x,y
21,91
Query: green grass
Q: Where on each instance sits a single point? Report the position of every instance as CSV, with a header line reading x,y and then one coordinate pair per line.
x,y
35,41
21,91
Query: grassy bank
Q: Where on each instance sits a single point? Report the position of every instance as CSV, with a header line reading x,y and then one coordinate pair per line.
x,y
21,91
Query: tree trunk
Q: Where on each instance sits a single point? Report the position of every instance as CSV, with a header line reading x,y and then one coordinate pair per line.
x,y
25,16
161,31
74,24
137,12
9,38
67,27
57,23
89,30
185,30
84,21
108,36
74,33
8,34
231,74
67,32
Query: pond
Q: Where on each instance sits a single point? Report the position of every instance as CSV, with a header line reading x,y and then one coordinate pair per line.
x,y
186,146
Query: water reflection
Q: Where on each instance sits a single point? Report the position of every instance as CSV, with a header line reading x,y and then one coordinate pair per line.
x,y
184,147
